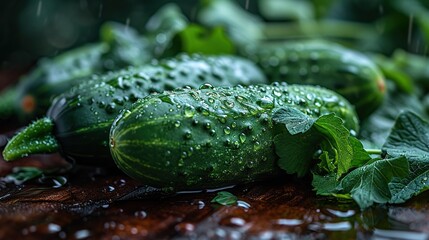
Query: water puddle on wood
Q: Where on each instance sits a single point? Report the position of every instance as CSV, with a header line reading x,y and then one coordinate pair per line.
x,y
96,203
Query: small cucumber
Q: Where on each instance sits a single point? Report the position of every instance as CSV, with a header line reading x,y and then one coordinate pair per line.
x,y
212,137
322,63
33,94
78,122
120,46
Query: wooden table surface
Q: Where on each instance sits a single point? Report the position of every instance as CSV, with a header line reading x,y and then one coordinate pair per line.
x,y
98,203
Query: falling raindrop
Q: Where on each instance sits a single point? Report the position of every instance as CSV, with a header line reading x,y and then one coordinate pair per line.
x,y
39,8
100,10
381,8
127,23
410,29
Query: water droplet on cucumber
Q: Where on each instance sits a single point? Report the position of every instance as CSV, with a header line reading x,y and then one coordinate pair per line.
x,y
242,137
188,135
227,130
177,123
206,86
189,111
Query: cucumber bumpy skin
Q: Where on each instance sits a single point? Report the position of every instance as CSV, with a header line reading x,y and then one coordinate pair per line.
x,y
80,119
316,62
212,137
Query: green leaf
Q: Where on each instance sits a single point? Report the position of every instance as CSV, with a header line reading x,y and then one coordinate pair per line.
x,y
20,175
377,127
324,185
336,145
360,155
197,39
296,152
242,26
295,147
294,120
305,136
225,198
410,138
369,184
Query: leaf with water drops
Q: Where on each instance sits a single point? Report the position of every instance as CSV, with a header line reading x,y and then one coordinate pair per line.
x,y
410,138
369,184
294,120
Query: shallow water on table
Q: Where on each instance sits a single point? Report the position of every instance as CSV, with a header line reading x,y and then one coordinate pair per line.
x,y
97,203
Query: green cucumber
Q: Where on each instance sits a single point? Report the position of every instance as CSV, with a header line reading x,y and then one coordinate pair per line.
x,y
79,120
212,137
34,92
322,63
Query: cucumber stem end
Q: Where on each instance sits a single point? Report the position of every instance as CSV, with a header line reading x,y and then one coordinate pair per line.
x,y
36,138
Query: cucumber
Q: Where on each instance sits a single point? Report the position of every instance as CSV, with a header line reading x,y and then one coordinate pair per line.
x,y
212,137
33,94
322,63
78,122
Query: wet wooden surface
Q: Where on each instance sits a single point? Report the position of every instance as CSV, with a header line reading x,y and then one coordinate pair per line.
x,y
98,203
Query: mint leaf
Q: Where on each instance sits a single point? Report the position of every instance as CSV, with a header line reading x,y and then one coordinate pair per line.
x,y
327,185
225,198
295,147
336,143
305,136
296,152
324,185
360,155
294,120
410,138
369,184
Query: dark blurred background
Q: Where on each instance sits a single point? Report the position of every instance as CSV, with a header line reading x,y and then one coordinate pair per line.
x,y
30,29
